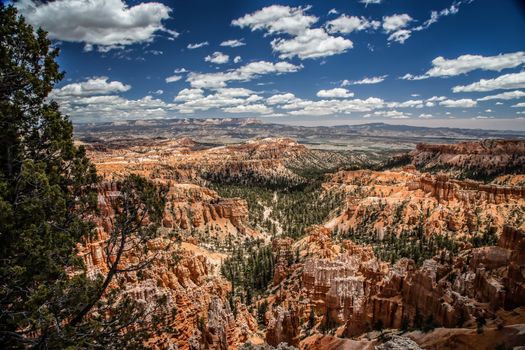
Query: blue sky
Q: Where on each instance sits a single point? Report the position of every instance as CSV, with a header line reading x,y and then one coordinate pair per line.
x,y
452,63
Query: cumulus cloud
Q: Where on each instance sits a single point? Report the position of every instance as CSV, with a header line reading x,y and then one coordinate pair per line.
x,y
217,58
347,24
365,81
90,87
173,78
396,22
462,103
389,114
443,67
281,99
312,43
233,43
191,100
507,95
255,108
395,26
333,106
437,98
301,41
247,72
237,59
107,23
115,107
519,105
335,93
425,116
503,82
406,104
278,19
197,45
98,98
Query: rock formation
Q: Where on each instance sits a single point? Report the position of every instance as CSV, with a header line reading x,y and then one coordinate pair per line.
x,y
478,159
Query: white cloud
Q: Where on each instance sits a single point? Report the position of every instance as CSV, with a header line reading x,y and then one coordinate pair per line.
x,y
233,43
365,81
503,82
333,12
180,70
409,76
435,15
425,116
400,35
255,108
191,100
173,78
217,58
507,95
462,103
406,104
312,43
443,67
197,45
488,110
396,22
347,24
237,59
389,114
111,107
519,105
278,19
107,23
437,98
332,107
335,93
189,94
90,87
158,92
305,42
247,72
281,99
368,2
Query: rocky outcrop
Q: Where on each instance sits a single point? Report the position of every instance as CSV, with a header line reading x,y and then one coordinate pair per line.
x,y
283,326
393,202
355,291
445,189
180,271
398,343
476,159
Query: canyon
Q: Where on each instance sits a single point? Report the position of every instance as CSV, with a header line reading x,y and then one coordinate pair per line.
x,y
420,255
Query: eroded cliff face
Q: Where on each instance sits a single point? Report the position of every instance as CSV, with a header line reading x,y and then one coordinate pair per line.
x,y
393,202
182,271
477,159
325,287
270,160
352,292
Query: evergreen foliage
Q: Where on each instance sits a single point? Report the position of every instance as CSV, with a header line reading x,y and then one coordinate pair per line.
x,y
48,198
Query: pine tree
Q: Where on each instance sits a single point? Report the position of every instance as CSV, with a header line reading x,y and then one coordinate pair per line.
x,y
48,195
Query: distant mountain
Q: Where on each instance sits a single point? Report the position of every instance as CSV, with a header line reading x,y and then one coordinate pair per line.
x,y
372,136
